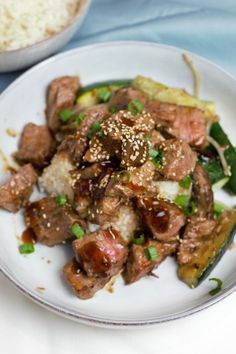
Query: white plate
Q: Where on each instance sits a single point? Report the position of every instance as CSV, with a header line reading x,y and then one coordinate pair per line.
x,y
150,300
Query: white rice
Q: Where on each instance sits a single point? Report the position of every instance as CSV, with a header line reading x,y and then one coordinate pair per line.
x,y
26,22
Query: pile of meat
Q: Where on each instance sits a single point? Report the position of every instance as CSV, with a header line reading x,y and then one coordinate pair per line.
x,y
110,176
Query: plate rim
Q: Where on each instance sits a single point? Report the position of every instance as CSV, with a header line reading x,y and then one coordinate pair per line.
x,y
71,314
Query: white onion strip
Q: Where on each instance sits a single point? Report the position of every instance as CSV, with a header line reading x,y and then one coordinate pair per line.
x,y
220,151
196,75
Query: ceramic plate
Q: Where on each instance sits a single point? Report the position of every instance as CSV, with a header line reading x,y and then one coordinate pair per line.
x,y
150,300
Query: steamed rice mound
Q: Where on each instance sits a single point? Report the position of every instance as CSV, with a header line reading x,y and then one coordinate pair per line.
x,y
26,22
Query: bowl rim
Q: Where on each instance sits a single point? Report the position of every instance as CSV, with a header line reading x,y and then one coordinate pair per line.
x,y
71,314
81,12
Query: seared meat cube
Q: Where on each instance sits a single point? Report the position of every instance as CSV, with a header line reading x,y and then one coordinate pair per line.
x,y
83,286
50,222
56,178
164,219
61,94
96,152
36,145
186,123
15,193
101,253
76,144
155,137
132,183
178,159
138,264
199,230
135,151
202,192
123,96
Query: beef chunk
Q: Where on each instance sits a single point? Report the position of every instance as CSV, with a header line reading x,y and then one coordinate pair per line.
x,y
202,192
83,286
198,231
162,218
97,152
101,253
123,96
36,145
178,160
15,193
51,223
76,144
186,123
61,94
138,264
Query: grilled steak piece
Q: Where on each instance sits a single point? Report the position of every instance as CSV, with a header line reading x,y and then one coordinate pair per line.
x,y
101,253
51,223
15,193
178,159
83,286
36,145
76,144
199,230
202,192
186,123
138,264
123,96
61,94
163,218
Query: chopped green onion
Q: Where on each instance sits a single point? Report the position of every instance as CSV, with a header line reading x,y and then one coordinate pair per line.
x,y
218,209
191,209
218,287
182,200
121,174
104,96
26,248
135,107
65,115
138,239
185,182
146,138
77,230
61,200
80,118
95,127
153,153
101,133
151,253
158,159
112,109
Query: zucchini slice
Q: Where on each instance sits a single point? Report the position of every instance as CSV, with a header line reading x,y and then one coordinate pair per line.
x,y
89,95
208,255
157,91
218,134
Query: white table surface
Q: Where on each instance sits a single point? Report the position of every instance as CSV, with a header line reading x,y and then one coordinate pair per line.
x,y
26,328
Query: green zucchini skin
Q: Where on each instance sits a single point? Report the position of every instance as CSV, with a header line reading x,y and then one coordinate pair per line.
x,y
214,169
207,256
218,134
105,84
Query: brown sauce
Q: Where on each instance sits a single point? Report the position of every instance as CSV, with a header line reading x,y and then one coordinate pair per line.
x,y
156,213
28,236
93,255
128,122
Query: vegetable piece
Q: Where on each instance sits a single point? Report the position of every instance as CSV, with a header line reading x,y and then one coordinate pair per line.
x,y
151,253
61,200
215,171
218,287
218,209
100,92
188,206
185,182
157,91
208,255
135,107
65,115
95,127
138,239
220,184
26,248
77,231
156,157
80,118
218,134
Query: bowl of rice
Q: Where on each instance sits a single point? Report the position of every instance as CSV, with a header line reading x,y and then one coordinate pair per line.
x,y
32,30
